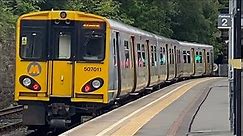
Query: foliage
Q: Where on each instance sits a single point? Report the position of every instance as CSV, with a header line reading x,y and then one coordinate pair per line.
x,y
7,21
186,20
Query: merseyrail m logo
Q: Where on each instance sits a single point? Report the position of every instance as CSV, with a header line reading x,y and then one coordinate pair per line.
x,y
34,69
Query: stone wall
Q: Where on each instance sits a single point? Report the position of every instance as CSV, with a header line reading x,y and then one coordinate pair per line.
x,y
7,70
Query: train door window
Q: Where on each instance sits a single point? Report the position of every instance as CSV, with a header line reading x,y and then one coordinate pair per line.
x,y
170,62
208,59
201,57
64,46
197,60
188,57
184,57
143,55
152,55
131,49
161,56
127,54
155,55
173,56
164,56
114,51
139,53
178,56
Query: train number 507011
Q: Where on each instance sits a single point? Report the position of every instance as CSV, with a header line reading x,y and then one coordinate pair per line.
x,y
92,69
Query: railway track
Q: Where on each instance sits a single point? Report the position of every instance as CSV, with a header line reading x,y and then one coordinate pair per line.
x,y
11,110
10,118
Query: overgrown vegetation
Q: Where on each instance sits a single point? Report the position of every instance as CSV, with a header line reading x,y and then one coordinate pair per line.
x,y
185,20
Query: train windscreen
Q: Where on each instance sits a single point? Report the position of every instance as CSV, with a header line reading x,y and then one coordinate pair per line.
x,y
92,42
62,40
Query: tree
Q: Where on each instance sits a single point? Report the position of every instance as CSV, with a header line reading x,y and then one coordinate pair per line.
x,y
151,15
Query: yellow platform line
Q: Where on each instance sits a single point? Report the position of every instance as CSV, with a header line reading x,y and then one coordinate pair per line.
x,y
135,121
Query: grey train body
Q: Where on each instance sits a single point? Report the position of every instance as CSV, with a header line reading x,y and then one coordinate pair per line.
x,y
140,60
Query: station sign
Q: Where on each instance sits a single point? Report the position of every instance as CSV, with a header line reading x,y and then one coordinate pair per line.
x,y
224,21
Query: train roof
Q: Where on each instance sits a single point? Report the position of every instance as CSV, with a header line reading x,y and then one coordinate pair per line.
x,y
130,29
184,43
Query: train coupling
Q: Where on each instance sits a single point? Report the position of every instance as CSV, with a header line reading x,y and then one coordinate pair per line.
x,y
59,109
60,115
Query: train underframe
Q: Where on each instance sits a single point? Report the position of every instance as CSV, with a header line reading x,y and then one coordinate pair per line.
x,y
58,113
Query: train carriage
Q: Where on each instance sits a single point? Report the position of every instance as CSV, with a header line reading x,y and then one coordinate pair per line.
x,y
198,59
71,63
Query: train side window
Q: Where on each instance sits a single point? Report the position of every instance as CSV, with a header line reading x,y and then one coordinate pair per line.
x,y
208,59
184,57
201,57
127,54
188,57
178,56
143,55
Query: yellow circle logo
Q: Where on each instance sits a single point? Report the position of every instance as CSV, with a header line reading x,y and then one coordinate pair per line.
x,y
34,69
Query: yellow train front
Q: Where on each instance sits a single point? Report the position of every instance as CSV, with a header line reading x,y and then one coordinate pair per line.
x,y
61,66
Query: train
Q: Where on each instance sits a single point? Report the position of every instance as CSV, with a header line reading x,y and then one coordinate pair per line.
x,y
72,63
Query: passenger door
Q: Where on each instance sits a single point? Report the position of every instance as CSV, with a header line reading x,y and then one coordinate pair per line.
x,y
62,65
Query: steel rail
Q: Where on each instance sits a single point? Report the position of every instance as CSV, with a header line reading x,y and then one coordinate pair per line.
x,y
11,110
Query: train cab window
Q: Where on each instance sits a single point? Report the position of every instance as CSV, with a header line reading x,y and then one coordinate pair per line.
x,y
188,57
127,54
93,46
33,40
208,58
92,41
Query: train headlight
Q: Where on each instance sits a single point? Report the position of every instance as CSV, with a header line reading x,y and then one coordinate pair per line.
x,y
63,14
26,81
96,83
29,83
93,85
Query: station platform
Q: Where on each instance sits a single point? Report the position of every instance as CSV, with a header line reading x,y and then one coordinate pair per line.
x,y
196,107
